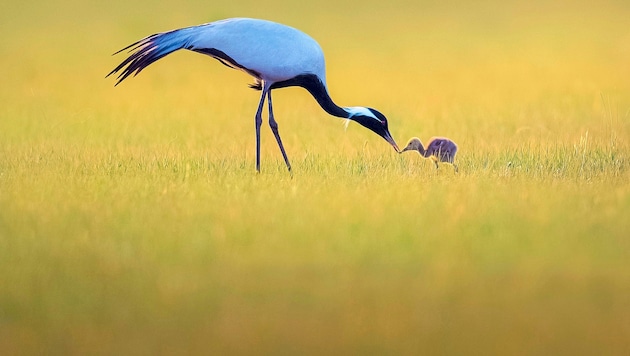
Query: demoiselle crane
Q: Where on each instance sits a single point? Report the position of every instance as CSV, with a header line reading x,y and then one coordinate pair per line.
x,y
439,149
276,55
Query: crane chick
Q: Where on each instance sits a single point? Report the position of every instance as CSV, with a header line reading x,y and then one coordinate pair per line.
x,y
439,149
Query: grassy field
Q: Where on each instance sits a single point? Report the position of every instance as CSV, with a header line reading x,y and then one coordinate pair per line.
x,y
132,220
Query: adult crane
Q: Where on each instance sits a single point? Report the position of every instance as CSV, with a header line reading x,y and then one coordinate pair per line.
x,y
276,55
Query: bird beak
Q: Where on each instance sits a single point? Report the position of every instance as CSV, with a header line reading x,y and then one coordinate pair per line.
x,y
391,141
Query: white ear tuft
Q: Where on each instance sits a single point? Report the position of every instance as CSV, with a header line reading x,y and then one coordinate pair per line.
x,y
359,110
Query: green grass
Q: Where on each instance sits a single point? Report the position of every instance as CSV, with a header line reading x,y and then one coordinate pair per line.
x,y
132,220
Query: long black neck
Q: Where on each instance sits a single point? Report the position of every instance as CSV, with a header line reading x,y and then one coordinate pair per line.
x,y
318,90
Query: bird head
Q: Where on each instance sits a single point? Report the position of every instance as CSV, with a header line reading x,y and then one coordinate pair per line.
x,y
373,120
414,144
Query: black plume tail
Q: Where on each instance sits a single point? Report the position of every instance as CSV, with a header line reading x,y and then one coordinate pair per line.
x,y
257,85
149,50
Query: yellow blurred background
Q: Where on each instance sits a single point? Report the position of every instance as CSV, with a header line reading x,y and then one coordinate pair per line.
x,y
132,222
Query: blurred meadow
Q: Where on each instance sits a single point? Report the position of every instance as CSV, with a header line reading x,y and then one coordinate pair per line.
x,y
132,220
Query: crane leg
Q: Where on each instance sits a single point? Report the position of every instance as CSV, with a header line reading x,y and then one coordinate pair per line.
x,y
274,128
258,122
